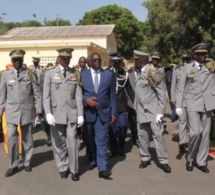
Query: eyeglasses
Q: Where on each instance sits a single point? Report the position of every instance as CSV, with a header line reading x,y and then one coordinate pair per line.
x,y
201,54
17,59
97,60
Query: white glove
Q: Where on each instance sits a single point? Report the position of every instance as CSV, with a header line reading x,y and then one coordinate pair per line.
x,y
158,118
80,121
50,119
178,111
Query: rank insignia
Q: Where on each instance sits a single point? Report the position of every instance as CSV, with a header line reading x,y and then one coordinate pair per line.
x,y
57,77
192,72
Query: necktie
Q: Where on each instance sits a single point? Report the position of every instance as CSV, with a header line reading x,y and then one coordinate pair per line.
x,y
138,72
96,82
64,72
200,66
18,73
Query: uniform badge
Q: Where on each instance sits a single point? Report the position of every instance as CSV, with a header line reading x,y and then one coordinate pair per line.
x,y
11,80
72,78
57,77
192,72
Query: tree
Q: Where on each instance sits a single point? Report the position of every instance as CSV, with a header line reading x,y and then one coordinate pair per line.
x,y
57,22
128,28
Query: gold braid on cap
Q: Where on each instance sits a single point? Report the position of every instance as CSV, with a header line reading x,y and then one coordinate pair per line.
x,y
151,79
210,65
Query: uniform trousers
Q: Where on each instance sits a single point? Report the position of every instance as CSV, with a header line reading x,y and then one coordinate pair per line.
x,y
13,144
182,127
198,145
143,134
66,146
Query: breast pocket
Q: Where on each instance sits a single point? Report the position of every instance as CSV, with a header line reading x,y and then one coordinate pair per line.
x,y
56,83
11,85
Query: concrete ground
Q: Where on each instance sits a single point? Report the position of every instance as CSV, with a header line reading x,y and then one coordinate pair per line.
x,y
127,178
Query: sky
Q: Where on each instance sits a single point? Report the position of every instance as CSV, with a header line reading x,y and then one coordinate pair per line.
x,y
72,10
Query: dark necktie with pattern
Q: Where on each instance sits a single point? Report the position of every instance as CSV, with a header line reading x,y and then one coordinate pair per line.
x,y
17,73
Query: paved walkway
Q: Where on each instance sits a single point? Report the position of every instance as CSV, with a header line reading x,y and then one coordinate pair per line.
x,y
127,178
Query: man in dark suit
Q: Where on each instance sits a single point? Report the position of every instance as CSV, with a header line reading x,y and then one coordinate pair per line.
x,y
99,98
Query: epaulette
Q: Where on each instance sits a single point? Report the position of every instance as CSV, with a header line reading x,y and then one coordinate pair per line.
x,y
77,76
49,68
177,66
154,75
32,74
210,65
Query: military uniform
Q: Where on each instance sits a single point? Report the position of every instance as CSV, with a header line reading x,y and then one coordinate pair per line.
x,y
118,131
199,84
150,97
18,89
62,100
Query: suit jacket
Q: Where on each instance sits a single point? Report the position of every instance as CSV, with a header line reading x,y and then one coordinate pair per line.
x,y
62,97
200,89
176,77
106,96
150,99
17,96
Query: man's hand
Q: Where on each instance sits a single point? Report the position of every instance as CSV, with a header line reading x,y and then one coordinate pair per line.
x,y
174,104
80,121
92,102
50,119
178,111
113,118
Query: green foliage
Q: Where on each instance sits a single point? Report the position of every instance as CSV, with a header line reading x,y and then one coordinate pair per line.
x,y
128,28
57,22
175,25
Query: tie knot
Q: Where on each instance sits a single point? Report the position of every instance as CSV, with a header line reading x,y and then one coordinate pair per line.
x,y
64,72
200,66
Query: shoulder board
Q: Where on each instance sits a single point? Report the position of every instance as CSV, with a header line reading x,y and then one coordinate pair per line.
x,y
1,71
51,67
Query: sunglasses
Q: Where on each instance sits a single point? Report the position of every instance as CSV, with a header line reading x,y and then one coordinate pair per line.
x,y
17,59
201,54
97,60
65,58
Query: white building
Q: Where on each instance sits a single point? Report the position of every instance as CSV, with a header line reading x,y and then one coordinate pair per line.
x,y
43,42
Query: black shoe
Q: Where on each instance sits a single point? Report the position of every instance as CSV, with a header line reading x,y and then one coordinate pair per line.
x,y
48,142
28,168
183,148
91,166
11,171
203,169
105,174
144,164
75,177
189,166
64,174
166,168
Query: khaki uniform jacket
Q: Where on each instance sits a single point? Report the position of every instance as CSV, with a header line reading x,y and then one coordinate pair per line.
x,y
62,97
200,89
17,96
150,99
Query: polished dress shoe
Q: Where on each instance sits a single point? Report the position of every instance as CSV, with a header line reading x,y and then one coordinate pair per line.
x,y
144,164
183,148
203,169
28,168
64,174
111,155
121,152
166,168
91,166
105,174
189,166
11,171
75,177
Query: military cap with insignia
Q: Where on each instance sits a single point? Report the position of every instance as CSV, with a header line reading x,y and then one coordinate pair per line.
x,y
17,53
65,51
140,54
200,48
186,54
36,59
155,55
113,54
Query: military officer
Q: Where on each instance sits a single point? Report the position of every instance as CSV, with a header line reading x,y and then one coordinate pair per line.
x,y
150,97
18,89
176,77
141,59
62,100
118,130
198,83
40,72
